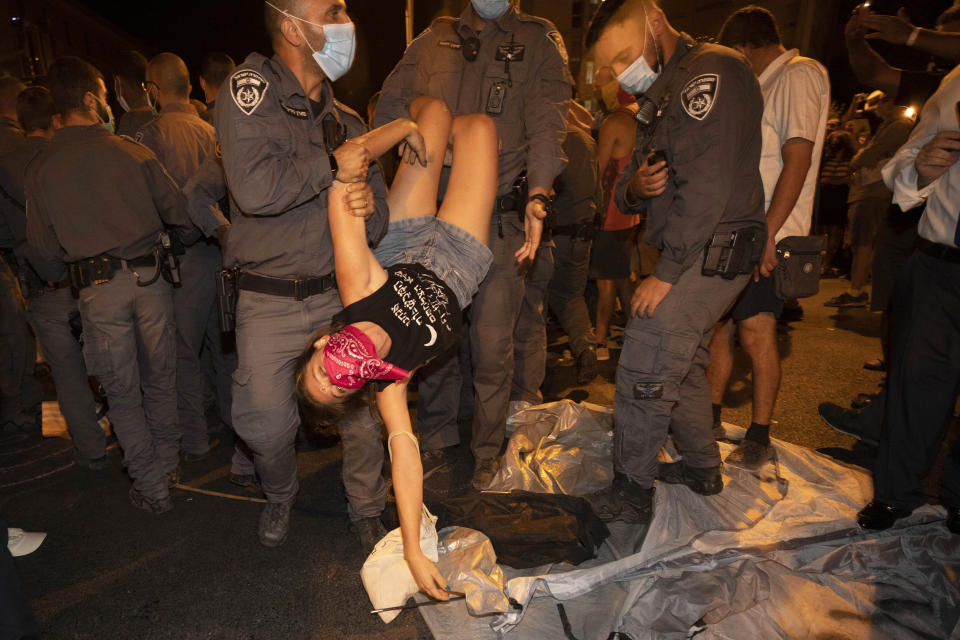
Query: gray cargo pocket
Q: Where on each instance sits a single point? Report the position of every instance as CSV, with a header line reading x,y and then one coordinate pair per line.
x,y
99,358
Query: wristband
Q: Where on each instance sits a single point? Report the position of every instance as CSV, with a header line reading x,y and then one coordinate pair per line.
x,y
912,38
547,202
334,165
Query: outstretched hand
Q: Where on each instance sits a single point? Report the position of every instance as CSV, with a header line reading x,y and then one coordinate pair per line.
x,y
427,576
532,231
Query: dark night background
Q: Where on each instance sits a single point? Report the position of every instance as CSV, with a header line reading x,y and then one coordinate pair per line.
x,y
192,28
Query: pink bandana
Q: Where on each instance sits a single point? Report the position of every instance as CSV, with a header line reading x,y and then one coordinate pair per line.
x,y
351,359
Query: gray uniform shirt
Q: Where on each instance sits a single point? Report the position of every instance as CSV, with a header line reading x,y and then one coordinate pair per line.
x,y
278,171
520,78
13,169
184,144
132,121
710,131
11,139
578,188
95,193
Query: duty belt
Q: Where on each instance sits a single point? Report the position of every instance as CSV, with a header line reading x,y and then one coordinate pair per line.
x,y
582,230
938,251
102,268
296,289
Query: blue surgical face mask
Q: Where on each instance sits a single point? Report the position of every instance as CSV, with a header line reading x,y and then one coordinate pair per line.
x,y
639,77
490,9
337,55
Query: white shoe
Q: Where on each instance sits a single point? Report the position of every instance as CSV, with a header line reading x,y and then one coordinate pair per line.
x,y
22,543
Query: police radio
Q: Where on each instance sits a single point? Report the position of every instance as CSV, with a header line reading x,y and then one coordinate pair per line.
x,y
170,263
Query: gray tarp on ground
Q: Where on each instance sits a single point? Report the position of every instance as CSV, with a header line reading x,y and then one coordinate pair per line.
x,y
776,555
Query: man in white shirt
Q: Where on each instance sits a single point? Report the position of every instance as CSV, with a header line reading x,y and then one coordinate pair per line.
x,y
796,98
924,370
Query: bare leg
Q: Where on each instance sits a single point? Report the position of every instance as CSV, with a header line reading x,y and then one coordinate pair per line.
x,y
414,190
606,296
861,267
472,189
759,338
721,361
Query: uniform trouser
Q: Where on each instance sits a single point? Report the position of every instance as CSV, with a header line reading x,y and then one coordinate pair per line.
x,y
130,345
530,335
194,303
438,401
494,315
19,391
49,315
218,361
661,377
271,332
571,271
923,380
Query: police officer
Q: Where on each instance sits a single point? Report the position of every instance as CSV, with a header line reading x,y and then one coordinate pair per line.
x,y
577,198
100,203
50,304
496,60
284,140
129,84
214,70
183,142
19,392
703,106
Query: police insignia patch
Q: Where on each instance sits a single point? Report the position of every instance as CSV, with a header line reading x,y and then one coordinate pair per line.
x,y
700,94
248,89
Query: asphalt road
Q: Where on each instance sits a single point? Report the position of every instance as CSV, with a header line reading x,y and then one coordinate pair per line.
x,y
107,570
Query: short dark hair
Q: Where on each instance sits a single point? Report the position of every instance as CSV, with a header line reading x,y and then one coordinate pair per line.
x,y
35,109
216,67
751,26
610,12
70,78
131,66
273,15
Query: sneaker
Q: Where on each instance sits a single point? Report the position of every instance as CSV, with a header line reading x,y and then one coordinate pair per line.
x,y
623,501
370,531
846,421
587,366
845,300
706,482
274,524
603,354
23,543
483,473
244,480
152,505
750,455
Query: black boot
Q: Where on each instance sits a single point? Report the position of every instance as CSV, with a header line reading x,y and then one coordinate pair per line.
x,y
623,501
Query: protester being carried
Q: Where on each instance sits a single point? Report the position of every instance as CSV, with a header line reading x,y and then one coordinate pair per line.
x,y
400,315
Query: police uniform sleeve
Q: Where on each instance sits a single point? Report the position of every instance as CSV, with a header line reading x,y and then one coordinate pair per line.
x,y
546,103
404,84
703,174
204,191
43,249
265,175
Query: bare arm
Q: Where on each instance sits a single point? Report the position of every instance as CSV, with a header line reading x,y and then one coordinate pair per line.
x,y
358,272
868,66
897,29
797,156
408,486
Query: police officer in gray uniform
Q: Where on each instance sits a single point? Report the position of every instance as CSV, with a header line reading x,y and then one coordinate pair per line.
x,y
19,392
183,142
492,59
701,105
50,304
100,202
284,139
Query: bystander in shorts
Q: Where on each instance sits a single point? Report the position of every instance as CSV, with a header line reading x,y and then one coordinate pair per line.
x,y
866,218
758,297
610,258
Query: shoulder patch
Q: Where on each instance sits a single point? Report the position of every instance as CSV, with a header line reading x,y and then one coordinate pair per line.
x,y
557,39
248,89
700,94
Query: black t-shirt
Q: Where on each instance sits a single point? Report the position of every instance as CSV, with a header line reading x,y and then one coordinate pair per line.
x,y
418,311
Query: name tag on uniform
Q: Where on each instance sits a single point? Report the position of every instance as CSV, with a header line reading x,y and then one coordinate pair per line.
x,y
299,114
511,52
450,44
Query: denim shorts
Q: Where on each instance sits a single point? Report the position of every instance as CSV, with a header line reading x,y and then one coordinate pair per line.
x,y
456,256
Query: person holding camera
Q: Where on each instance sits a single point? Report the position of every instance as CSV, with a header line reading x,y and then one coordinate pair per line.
x,y
796,101
701,105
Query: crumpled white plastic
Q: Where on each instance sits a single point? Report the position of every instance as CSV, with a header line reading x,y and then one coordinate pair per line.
x,y
385,574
